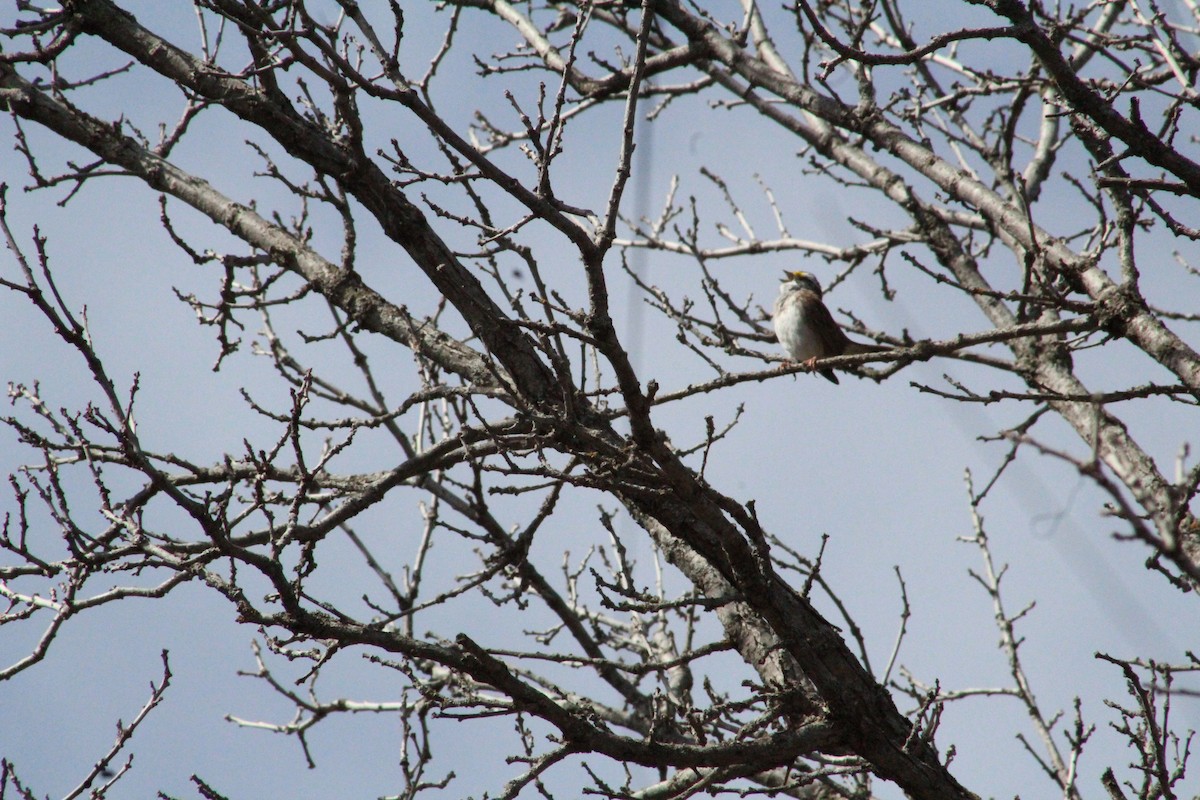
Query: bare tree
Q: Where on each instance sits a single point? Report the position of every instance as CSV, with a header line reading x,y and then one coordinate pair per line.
x,y
1019,165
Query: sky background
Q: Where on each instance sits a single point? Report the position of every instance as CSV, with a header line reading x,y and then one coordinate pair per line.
x,y
879,468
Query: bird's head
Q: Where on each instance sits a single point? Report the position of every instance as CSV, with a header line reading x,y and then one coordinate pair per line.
x,y
800,280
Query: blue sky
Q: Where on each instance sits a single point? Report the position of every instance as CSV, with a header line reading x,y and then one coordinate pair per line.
x,y
877,467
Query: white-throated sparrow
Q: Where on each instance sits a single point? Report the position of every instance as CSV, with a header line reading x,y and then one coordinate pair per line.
x,y
805,327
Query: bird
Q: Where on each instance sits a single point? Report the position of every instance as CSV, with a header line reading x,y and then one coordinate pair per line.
x,y
805,327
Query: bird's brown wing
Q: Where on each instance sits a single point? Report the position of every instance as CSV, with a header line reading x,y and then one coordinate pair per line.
x,y
823,326
833,341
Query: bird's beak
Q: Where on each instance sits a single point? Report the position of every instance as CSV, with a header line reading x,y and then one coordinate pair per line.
x,y
788,275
